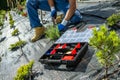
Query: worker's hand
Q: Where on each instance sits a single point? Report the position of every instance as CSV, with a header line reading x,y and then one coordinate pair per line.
x,y
63,25
53,13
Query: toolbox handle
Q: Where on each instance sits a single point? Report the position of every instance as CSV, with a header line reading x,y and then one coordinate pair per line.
x,y
46,61
54,61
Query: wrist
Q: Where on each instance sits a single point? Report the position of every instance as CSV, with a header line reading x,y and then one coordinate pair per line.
x,y
52,8
64,22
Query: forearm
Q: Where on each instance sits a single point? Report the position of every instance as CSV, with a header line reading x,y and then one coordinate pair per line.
x,y
51,3
71,10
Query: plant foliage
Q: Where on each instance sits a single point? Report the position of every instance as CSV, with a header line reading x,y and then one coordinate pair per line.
x,y
17,45
52,32
24,72
2,12
15,32
113,19
107,45
2,16
11,21
10,16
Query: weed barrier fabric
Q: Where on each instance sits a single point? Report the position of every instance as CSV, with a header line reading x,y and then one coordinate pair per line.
x,y
87,69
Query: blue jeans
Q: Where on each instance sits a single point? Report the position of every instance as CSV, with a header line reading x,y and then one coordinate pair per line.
x,y
60,5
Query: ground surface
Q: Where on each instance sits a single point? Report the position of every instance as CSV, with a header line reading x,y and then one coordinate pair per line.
x,y
11,60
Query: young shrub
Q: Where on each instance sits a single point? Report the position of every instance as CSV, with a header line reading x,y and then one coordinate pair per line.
x,y
15,32
1,21
107,44
3,12
25,72
17,45
23,3
11,23
113,19
10,17
52,32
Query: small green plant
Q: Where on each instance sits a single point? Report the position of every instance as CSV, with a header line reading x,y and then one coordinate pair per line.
x,y
3,12
25,72
1,20
15,32
11,23
17,45
23,3
10,17
113,19
52,32
107,44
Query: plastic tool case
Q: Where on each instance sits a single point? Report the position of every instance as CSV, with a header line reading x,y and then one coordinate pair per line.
x,y
69,54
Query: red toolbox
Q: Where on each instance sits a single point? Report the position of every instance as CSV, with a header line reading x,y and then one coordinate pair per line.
x,y
69,54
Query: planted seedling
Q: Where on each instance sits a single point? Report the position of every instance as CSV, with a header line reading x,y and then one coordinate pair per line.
x,y
10,17
11,21
52,32
15,32
113,20
2,12
107,44
1,21
17,45
25,72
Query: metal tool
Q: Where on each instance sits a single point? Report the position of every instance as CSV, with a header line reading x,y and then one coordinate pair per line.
x,y
53,20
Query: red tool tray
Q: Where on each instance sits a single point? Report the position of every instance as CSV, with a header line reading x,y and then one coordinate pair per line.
x,y
69,54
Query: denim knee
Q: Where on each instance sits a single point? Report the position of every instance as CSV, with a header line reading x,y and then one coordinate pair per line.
x,y
32,8
76,18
